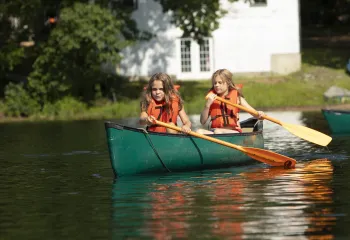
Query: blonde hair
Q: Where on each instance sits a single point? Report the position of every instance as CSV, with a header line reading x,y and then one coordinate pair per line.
x,y
169,92
226,76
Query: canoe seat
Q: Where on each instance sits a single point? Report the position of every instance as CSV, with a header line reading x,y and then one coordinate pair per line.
x,y
245,130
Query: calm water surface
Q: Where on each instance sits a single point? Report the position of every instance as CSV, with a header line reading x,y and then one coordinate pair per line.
x,y
56,182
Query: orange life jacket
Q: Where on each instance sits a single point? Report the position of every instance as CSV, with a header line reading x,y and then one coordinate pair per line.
x,y
224,115
158,111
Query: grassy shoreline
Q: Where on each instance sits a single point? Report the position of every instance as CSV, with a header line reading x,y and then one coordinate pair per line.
x,y
300,91
86,117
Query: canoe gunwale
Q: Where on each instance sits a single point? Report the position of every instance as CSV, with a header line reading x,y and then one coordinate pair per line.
x,y
335,111
250,122
337,120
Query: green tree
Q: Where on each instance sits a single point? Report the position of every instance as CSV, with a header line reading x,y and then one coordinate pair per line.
x,y
11,54
86,37
68,54
28,20
197,18
326,13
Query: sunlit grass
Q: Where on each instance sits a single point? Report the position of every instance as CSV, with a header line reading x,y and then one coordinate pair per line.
x,y
303,88
321,69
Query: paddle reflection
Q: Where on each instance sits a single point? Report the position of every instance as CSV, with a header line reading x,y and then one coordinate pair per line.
x,y
259,203
227,208
297,202
170,211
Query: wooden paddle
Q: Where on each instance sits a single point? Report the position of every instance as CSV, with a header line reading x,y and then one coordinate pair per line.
x,y
306,133
262,155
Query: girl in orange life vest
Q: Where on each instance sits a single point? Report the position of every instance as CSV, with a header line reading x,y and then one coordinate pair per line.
x,y
224,117
162,101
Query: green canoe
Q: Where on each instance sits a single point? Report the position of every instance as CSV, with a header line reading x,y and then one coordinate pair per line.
x,y
338,120
135,151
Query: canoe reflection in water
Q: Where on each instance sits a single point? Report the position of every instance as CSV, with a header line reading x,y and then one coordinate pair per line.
x,y
251,203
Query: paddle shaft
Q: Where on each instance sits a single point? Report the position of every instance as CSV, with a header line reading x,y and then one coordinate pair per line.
x,y
248,110
202,136
262,155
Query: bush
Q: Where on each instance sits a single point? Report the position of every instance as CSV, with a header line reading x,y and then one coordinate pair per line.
x,y
50,110
65,108
2,108
19,102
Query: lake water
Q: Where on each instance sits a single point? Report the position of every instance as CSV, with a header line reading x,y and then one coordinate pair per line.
x,y
56,182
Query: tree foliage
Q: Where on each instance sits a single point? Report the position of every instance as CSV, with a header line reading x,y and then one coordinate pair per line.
x,y
197,18
19,102
10,33
86,37
326,13
69,54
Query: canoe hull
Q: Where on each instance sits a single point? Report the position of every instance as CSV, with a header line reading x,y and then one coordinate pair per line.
x,y
134,151
338,120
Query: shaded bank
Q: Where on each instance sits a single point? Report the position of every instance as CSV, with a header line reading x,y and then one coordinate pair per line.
x,y
4,119
300,91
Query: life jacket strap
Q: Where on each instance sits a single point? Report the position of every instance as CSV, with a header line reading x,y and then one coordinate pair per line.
x,y
161,112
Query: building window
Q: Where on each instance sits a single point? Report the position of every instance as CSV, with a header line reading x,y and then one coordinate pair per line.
x,y
204,56
257,3
185,55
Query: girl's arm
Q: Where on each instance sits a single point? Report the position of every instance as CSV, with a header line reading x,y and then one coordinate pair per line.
x,y
205,113
145,119
244,103
186,127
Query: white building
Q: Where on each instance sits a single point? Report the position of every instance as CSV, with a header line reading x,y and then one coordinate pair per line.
x,y
252,38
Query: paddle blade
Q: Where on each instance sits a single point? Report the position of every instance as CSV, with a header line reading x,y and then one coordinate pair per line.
x,y
305,133
308,134
270,158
